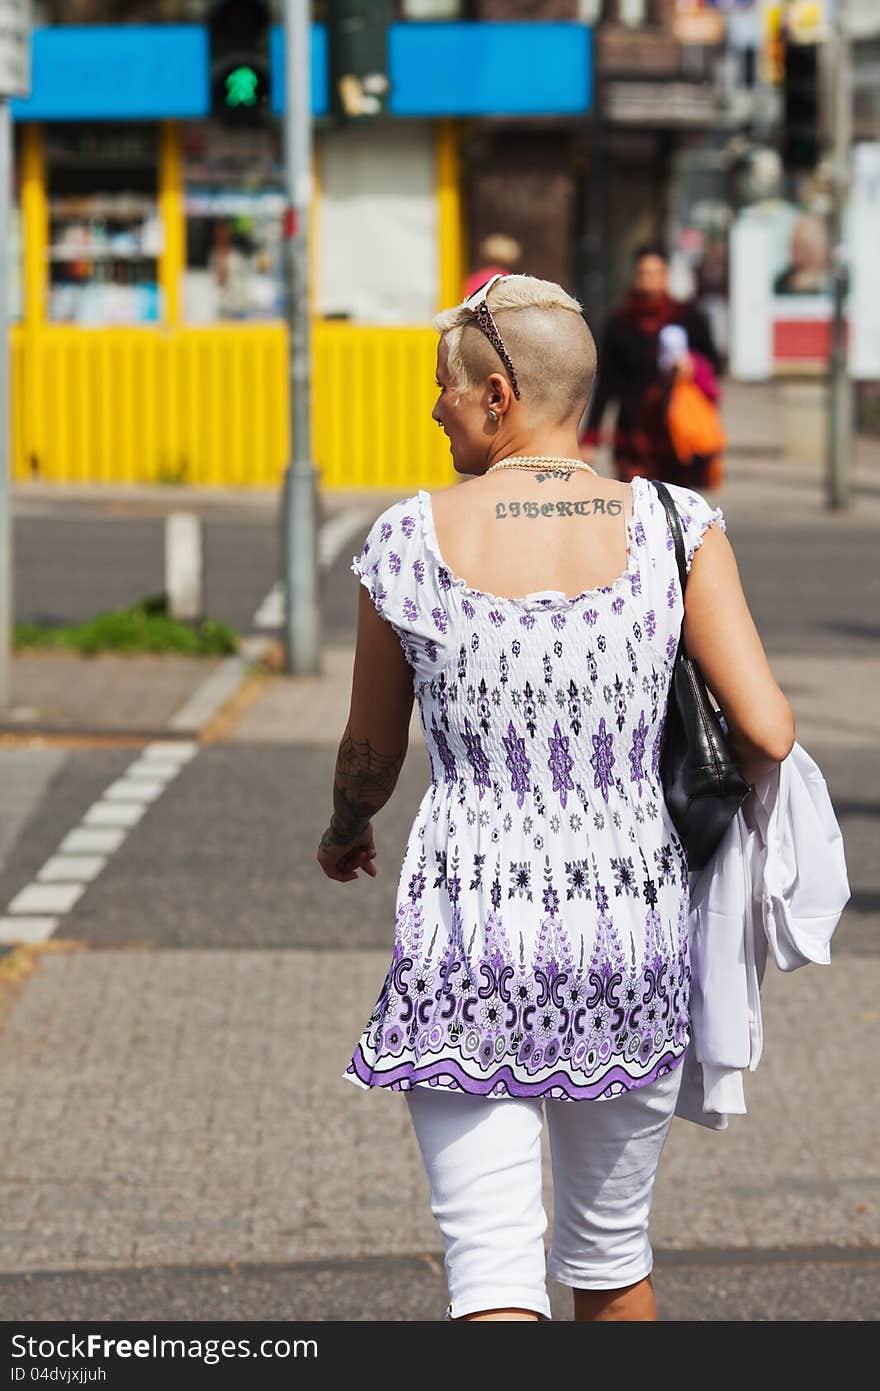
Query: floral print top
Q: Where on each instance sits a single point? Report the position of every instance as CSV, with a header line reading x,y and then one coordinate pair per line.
x,y
541,945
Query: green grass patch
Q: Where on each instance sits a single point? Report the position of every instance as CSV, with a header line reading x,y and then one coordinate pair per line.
x,y
145,627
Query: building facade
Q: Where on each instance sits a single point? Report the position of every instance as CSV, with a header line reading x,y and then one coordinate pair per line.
x,y
150,344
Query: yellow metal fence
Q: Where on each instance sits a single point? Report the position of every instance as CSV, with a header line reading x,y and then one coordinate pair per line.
x,y
208,406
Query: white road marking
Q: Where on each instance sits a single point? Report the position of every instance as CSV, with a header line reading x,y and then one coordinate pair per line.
x,y
71,869
90,840
332,537
34,914
46,898
27,929
337,530
270,614
118,814
171,750
153,769
128,789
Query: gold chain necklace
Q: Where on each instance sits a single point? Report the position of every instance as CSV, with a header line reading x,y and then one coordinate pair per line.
x,y
543,462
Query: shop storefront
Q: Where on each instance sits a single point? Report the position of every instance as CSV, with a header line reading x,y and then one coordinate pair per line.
x,y
149,344
106,231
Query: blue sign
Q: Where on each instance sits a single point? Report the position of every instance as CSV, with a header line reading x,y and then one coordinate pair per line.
x,y
161,71
99,72
491,69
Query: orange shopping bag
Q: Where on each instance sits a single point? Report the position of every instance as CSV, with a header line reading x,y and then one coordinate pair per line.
x,y
694,423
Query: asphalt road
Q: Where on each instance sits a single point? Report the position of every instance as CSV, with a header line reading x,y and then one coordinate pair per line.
x,y
248,878
707,1286
813,585
70,567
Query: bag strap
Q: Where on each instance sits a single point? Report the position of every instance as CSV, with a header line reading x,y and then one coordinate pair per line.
x,y
675,527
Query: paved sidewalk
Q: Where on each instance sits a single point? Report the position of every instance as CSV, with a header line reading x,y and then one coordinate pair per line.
x,y
177,1137
190,1111
138,695
105,693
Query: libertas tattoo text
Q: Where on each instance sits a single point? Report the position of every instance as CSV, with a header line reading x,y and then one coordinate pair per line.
x,y
582,507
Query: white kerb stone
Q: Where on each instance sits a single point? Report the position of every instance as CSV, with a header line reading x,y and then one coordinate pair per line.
x,y
183,564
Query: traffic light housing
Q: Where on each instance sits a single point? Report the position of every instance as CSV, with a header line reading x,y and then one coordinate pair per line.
x,y
357,33
240,73
800,104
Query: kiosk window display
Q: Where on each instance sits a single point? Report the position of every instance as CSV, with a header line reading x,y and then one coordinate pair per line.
x,y
104,231
235,204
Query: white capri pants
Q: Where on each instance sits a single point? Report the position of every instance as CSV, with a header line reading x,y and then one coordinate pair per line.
x,y
483,1161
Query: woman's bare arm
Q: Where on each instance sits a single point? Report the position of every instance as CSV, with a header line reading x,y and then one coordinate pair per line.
x,y
720,635
375,740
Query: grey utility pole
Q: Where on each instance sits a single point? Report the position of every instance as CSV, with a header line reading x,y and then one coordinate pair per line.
x,y
15,80
302,618
840,391
6,568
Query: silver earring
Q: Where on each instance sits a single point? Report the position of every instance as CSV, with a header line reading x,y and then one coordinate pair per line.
x,y
493,417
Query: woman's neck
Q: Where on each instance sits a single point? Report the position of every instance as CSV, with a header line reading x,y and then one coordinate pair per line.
x,y
546,444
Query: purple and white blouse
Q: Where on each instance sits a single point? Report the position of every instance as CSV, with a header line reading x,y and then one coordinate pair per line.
x,y
541,945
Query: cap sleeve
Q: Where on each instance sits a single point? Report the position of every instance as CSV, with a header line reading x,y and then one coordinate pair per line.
x,y
402,581
696,517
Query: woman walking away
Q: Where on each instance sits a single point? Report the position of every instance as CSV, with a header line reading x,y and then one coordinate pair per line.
x,y
540,960
630,374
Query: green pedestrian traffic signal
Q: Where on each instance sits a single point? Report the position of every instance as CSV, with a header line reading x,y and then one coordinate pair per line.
x,y
242,87
240,77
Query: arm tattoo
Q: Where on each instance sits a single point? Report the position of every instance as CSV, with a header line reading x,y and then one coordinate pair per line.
x,y
363,782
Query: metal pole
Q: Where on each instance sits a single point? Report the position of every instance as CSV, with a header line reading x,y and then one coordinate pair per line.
x,y
299,530
840,406
6,571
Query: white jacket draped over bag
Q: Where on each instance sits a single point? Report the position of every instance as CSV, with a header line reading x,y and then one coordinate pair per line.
x,y
778,880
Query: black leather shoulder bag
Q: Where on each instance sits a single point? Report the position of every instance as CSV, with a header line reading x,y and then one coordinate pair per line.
x,y
703,787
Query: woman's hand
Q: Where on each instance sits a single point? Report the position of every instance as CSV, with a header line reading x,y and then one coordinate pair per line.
x,y
341,862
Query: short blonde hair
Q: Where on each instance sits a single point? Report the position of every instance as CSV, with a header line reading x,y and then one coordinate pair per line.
x,y
546,335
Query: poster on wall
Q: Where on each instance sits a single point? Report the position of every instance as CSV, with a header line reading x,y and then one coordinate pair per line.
x,y
780,261
780,283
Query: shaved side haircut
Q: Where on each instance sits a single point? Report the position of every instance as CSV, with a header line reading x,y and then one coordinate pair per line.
x,y
547,337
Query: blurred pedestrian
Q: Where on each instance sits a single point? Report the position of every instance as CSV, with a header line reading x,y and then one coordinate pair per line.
x,y
541,953
631,375
713,291
498,255
683,402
